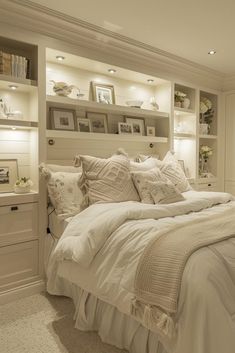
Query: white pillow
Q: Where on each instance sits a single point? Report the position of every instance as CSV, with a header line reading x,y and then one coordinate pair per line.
x,y
141,179
62,168
171,168
164,192
64,192
107,180
147,164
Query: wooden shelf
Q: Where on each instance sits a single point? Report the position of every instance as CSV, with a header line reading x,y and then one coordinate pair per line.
x,y
21,124
208,137
11,198
183,111
91,106
103,137
24,85
183,135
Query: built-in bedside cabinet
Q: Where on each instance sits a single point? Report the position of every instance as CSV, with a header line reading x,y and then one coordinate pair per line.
x,y
19,241
206,185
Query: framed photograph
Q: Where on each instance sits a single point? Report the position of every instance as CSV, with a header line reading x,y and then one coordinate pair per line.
x,y
8,174
84,125
125,128
98,122
150,130
138,126
103,93
62,119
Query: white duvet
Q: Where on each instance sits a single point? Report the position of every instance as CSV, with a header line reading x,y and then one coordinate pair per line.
x,y
106,242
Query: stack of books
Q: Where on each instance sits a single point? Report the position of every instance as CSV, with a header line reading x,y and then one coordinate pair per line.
x,y
14,65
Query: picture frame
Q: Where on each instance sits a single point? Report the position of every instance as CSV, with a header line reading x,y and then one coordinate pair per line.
x,y
98,122
125,128
103,93
150,130
62,119
8,174
138,125
84,125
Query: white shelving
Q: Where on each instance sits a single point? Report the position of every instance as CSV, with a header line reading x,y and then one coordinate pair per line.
x,y
21,124
104,108
213,137
24,85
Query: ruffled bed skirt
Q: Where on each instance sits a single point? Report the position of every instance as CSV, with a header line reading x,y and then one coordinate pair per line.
x,y
113,327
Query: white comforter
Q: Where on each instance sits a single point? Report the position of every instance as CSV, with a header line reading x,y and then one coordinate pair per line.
x,y
107,240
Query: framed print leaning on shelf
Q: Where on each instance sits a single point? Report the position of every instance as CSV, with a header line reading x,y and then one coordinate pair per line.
x,y
84,125
8,174
62,119
138,127
125,128
150,131
98,122
103,93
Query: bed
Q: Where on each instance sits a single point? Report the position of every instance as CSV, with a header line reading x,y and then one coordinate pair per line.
x,y
187,303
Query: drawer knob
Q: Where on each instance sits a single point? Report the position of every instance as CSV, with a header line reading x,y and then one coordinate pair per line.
x,y
209,184
14,208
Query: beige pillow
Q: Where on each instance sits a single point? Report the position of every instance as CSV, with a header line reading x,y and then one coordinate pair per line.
x,y
64,192
107,180
141,180
147,164
164,192
173,171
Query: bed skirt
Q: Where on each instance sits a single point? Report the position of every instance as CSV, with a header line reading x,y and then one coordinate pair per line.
x,y
113,327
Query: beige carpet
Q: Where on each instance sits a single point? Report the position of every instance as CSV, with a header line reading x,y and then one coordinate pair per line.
x,y
44,324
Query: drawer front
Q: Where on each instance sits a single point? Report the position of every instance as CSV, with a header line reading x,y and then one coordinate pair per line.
x,y
207,187
18,223
18,263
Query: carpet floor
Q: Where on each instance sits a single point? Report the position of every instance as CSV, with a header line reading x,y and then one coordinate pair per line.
x,y
44,324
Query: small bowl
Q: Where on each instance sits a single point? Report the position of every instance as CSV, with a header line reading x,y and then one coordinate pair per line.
x,y
134,104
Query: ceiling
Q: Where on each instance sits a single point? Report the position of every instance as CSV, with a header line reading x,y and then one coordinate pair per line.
x,y
186,28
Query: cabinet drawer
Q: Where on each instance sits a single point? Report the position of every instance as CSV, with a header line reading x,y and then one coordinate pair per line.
x,y
18,223
18,263
207,187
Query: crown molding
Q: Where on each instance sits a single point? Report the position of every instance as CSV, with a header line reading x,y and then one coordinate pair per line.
x,y
50,23
228,83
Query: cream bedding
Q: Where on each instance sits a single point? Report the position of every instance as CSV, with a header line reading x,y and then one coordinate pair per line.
x,y
106,241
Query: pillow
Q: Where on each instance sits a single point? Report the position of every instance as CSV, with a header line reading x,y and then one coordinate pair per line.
x,y
141,180
107,180
61,168
147,164
164,192
64,192
173,171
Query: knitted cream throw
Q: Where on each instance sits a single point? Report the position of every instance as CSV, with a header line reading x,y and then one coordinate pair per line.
x,y
160,270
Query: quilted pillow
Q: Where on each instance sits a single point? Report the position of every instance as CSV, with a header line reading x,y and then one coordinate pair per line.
x,y
141,180
107,180
164,192
64,192
173,171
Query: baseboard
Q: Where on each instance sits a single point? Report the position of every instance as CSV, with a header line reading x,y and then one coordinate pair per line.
x,y
22,291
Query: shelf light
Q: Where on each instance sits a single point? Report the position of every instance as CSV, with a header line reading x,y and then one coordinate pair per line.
x,y
212,52
150,80
60,57
13,87
112,71
13,128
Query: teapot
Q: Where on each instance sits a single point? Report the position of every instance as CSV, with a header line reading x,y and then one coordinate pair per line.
x,y
62,88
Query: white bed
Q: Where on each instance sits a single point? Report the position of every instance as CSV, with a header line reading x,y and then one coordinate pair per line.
x,y
98,273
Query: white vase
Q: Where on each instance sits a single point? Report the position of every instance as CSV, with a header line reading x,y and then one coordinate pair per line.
x,y
203,129
186,103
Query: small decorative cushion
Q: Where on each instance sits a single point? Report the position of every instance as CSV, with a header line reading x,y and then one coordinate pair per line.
x,y
107,180
164,192
141,180
64,192
147,164
171,168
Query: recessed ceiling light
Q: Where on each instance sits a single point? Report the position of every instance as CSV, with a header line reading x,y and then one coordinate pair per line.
x,y
212,52
60,57
13,87
112,71
150,80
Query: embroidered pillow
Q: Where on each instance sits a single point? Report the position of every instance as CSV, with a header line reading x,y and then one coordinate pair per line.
x,y
107,180
64,192
173,171
141,180
164,192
